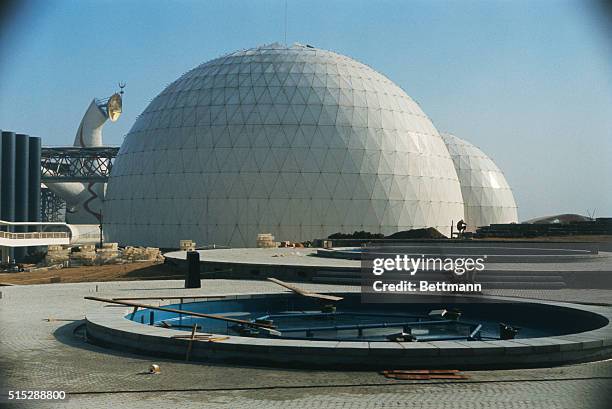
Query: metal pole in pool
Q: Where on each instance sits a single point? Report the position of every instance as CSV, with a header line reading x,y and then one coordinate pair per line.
x,y
193,270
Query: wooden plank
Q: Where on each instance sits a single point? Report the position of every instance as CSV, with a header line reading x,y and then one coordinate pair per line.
x,y
303,292
421,371
198,336
425,377
190,345
190,313
166,297
216,339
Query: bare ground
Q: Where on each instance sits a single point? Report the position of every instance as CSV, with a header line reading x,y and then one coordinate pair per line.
x,y
133,271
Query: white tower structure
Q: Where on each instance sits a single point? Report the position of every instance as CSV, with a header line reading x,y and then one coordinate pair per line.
x,y
84,201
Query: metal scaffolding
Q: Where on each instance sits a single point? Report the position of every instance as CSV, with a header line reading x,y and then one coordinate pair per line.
x,y
75,164
52,207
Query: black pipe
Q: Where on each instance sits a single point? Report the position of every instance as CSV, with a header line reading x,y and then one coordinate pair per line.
x,y
22,164
193,272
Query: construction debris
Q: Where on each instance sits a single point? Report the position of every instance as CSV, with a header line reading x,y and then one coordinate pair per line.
x,y
452,314
404,336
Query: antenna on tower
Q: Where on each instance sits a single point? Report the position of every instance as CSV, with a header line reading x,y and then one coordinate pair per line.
x,y
121,86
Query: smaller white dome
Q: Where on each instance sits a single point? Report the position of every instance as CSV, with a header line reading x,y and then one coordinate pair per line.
x,y
487,197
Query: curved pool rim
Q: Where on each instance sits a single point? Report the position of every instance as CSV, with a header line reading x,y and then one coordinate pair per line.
x,y
108,327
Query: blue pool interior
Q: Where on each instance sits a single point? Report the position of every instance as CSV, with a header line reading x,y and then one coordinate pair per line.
x,y
297,317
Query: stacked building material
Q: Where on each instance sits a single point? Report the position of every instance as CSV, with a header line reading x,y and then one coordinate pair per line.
x,y
57,255
84,256
187,245
266,240
131,254
111,246
154,254
108,254
88,255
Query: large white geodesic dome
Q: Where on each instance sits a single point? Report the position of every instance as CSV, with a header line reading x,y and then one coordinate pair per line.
x,y
295,141
487,197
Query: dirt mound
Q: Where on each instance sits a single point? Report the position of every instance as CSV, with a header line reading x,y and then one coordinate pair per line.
x,y
428,233
358,235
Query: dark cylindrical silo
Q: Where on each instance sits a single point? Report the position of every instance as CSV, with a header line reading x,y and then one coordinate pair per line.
x,y
0,173
34,175
22,182
22,167
7,207
34,183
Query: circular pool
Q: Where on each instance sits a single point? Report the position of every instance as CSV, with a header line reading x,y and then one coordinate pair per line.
x,y
294,331
296,317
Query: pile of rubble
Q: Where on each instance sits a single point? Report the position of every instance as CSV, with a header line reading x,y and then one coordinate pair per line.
x,y
291,244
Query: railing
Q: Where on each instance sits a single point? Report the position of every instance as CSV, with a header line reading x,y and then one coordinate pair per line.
x,y
33,235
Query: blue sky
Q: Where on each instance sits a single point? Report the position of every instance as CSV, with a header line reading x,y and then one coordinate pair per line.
x,y
530,83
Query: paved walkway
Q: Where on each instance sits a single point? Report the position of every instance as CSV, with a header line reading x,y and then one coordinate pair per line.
x,y
307,257
37,353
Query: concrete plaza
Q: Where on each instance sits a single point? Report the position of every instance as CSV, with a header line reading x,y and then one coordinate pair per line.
x,y
42,348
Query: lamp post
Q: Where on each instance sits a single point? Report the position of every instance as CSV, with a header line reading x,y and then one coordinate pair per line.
x,y
100,217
